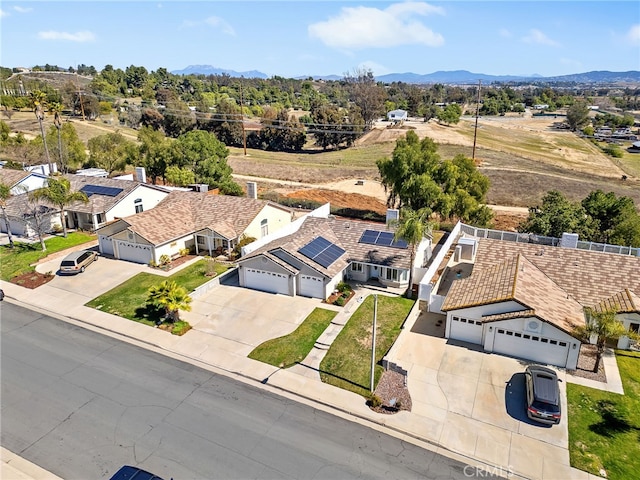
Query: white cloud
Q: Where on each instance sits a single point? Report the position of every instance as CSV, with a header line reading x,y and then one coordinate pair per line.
x,y
23,9
503,32
3,13
537,37
366,27
84,36
215,22
633,35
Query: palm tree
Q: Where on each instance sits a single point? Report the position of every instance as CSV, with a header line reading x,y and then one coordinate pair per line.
x,y
5,194
56,109
58,191
38,101
604,326
412,228
171,297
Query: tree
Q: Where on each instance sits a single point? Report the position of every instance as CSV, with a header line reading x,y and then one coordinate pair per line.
x,y
449,114
609,213
111,151
58,192
178,118
557,216
179,177
578,115
415,177
36,215
366,94
150,117
5,194
153,152
56,109
171,297
206,156
603,325
38,102
412,228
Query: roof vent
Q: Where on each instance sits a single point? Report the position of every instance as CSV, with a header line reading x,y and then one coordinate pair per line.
x,y
569,240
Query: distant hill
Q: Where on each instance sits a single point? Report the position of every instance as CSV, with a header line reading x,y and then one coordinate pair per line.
x,y
450,77
210,70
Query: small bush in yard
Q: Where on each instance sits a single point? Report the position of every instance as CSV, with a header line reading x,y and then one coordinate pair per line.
x,y
165,260
343,287
180,328
184,252
374,401
339,301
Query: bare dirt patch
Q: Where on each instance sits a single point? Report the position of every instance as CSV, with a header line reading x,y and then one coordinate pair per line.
x,y
32,279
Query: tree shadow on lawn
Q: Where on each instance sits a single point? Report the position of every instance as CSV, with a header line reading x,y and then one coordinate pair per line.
x,y
150,313
614,419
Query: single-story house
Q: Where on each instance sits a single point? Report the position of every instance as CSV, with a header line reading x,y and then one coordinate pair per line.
x,y
27,216
109,198
524,299
201,222
397,115
325,251
22,181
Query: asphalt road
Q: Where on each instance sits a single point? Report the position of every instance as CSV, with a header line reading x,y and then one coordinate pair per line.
x,y
81,405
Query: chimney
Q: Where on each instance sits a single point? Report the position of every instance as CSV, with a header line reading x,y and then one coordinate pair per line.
x,y
141,175
252,190
393,215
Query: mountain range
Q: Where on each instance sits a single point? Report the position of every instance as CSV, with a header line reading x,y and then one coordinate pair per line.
x,y
450,77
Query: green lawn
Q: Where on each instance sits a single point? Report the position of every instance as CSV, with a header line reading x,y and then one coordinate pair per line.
x,y
348,362
604,428
18,260
286,351
129,299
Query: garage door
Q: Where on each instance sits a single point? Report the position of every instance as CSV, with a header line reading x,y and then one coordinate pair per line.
x,y
311,286
106,245
531,346
134,252
266,281
466,330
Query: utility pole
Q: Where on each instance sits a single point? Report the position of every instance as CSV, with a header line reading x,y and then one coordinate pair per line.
x,y
373,341
244,136
475,130
80,96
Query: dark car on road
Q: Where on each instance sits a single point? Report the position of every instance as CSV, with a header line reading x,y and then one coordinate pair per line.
x,y
133,473
543,395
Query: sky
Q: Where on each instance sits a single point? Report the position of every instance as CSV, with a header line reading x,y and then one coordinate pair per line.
x,y
308,37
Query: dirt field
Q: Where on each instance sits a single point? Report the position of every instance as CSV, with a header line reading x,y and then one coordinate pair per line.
x,y
523,156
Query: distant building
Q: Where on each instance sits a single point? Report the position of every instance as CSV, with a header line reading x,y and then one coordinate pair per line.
x,y
397,115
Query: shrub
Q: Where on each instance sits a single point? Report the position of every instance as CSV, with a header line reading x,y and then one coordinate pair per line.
x,y
57,228
210,267
184,252
180,328
614,151
165,259
339,301
153,264
374,401
343,287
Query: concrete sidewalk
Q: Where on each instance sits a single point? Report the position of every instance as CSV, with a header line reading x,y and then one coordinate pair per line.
x,y
453,435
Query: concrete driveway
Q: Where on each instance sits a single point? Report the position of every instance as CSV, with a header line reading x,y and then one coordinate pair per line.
x,y
475,405
99,277
239,319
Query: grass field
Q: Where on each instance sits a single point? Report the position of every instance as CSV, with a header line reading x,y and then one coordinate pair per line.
x,y
604,427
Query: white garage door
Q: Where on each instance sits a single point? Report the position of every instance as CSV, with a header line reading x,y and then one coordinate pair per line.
x,y
266,281
106,245
466,330
311,286
134,252
531,346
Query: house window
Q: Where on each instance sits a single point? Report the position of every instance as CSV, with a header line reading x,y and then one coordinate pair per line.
x,y
264,227
634,327
356,267
137,203
99,218
392,274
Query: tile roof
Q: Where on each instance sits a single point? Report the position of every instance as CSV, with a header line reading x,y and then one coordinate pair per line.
x,y
517,279
345,234
183,213
586,276
624,301
11,177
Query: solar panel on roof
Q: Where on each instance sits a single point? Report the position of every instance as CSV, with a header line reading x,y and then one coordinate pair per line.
x,y
385,239
89,190
322,251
